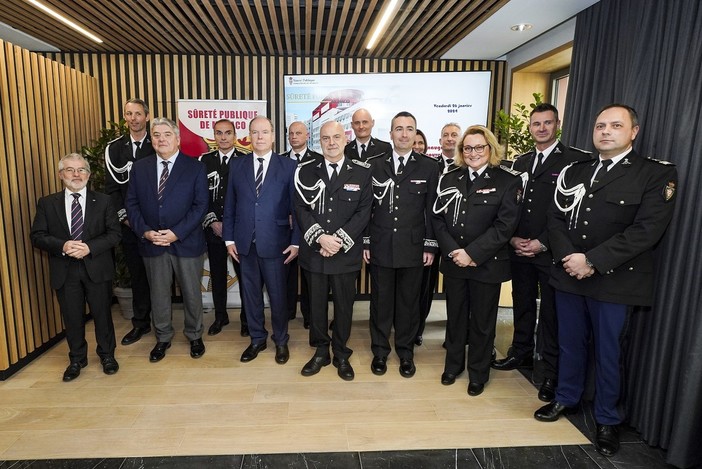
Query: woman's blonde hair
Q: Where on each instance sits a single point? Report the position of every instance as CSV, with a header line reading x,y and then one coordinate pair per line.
x,y
496,150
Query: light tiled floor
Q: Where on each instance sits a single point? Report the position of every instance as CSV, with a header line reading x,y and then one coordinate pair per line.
x,y
218,405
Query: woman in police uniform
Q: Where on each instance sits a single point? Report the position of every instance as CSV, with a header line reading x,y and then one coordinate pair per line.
x,y
475,214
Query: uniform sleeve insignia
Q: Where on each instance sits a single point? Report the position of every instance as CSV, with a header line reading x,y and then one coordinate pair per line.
x,y
669,191
519,195
511,171
362,164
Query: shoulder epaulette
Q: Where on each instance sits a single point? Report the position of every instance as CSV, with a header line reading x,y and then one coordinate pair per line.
x,y
375,156
580,150
114,140
663,162
304,163
207,154
530,152
511,171
455,168
360,163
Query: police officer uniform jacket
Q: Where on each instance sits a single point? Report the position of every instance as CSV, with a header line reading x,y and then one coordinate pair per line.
x,y
616,224
538,194
342,209
217,177
119,158
400,229
308,155
374,148
480,219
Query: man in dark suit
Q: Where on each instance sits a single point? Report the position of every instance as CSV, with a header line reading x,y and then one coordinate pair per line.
x,y
299,152
363,146
400,244
120,155
530,255
166,205
333,203
78,229
217,167
608,215
450,134
258,215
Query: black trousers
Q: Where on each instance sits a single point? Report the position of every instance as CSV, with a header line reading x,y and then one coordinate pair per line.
x,y
471,308
141,294
430,277
343,288
394,302
293,273
529,282
217,254
72,296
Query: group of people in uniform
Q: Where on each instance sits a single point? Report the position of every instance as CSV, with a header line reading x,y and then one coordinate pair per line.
x,y
573,231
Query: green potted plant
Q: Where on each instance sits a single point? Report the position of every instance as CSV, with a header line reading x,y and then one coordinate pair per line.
x,y
95,154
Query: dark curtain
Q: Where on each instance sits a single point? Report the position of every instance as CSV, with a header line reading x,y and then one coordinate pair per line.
x,y
648,54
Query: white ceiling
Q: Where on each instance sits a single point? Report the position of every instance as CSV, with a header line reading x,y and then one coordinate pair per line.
x,y
493,39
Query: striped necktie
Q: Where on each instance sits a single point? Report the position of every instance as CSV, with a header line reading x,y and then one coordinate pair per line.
x,y
162,180
76,218
259,176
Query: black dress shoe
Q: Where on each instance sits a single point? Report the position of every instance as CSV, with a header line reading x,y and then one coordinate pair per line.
x,y
109,365
344,369
159,351
252,351
551,412
197,348
244,330
306,323
379,365
512,363
547,392
607,440
135,334
407,368
475,389
217,326
313,366
282,354
419,340
447,379
73,370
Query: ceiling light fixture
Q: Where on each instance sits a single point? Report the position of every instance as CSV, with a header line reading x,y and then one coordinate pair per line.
x,y
380,28
64,20
521,27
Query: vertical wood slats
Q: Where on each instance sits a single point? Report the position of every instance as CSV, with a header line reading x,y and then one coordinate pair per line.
x,y
47,110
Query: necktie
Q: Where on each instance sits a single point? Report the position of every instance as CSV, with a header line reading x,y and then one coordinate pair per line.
x,y
363,151
297,157
334,174
449,161
224,160
259,176
474,175
136,148
602,171
401,166
162,180
539,162
76,218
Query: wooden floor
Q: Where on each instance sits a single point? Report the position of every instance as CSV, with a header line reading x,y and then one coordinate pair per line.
x,y
218,405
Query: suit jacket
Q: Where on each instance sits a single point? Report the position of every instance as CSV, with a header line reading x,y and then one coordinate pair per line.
x,y
538,195
374,148
480,219
118,156
400,230
101,232
343,210
617,224
217,178
308,155
269,216
182,210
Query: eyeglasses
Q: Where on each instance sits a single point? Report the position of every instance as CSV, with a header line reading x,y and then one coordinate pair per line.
x,y
81,171
479,149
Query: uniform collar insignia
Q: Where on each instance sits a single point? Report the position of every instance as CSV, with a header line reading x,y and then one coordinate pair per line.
x,y
486,175
557,150
348,166
626,162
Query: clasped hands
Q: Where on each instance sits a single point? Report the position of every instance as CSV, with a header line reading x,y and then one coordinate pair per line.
x,y
161,237
576,265
76,249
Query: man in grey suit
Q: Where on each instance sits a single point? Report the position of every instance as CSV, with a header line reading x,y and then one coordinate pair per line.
x,y
78,228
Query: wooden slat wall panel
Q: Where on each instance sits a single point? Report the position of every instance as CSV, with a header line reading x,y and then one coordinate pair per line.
x,y
47,110
163,79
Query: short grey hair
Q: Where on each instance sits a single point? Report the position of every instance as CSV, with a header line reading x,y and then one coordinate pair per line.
x,y
451,124
165,121
74,156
